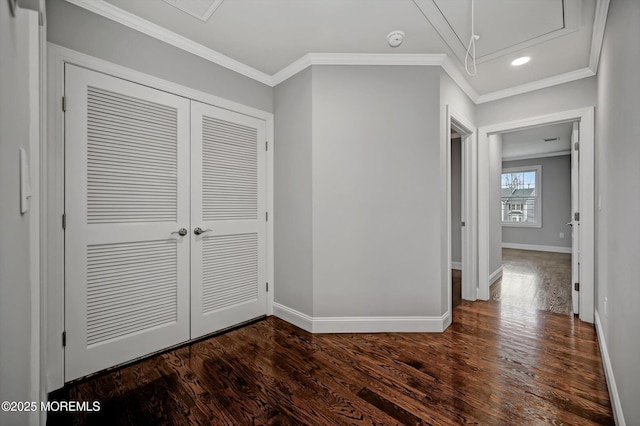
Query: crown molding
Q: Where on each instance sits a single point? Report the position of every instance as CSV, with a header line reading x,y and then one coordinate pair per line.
x,y
421,59
458,77
391,59
533,156
130,20
291,70
599,23
536,85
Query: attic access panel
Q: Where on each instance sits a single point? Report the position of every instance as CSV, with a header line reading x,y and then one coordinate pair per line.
x,y
504,26
201,9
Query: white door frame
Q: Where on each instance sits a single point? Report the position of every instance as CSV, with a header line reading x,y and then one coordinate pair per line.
x,y
466,129
586,117
575,224
52,170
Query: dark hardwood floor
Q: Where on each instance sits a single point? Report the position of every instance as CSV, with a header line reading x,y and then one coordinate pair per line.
x,y
495,365
535,280
456,287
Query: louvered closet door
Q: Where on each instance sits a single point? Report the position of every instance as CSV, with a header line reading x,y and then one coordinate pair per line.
x,y
126,193
228,260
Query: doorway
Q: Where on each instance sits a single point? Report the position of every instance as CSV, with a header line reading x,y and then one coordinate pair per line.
x,y
456,218
582,211
460,262
533,230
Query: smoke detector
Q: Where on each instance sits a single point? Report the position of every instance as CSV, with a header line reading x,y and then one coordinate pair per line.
x,y
395,38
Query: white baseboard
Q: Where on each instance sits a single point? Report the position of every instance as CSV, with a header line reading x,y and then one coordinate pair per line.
x,y
616,405
456,265
292,316
553,249
409,324
495,276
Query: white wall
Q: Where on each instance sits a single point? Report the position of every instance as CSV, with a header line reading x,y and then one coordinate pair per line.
x,y
293,195
376,179
15,292
618,186
495,198
556,204
563,97
78,29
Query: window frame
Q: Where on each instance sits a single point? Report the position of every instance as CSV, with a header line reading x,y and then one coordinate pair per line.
x,y
537,168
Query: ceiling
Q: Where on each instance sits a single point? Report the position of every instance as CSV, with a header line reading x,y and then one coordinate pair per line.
x,y
269,35
530,143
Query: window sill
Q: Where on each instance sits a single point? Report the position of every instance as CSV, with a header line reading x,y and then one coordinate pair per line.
x,y
521,225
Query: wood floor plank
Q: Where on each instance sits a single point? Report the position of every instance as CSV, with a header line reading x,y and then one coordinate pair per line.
x,y
499,363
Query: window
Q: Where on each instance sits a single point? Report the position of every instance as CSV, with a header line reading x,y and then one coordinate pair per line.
x,y
522,196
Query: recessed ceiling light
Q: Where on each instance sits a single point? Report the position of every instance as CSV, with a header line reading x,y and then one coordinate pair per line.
x,y
520,61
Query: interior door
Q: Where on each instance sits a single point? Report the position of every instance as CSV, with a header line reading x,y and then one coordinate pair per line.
x,y
126,198
228,214
575,224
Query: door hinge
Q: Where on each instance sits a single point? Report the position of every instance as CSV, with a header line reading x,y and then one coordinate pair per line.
x,y
462,224
576,286
576,146
64,338
64,221
64,103
266,215
266,145
267,287
576,216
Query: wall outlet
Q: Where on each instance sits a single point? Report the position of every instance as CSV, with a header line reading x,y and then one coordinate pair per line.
x,y
562,235
606,309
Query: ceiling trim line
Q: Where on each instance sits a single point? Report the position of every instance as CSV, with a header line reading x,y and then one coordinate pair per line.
x,y
391,59
536,85
458,77
422,59
533,156
599,23
291,70
130,20
432,13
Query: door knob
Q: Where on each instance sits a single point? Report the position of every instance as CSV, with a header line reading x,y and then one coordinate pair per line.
x,y
199,231
570,224
182,232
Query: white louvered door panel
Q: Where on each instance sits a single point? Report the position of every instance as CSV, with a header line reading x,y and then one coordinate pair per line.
x,y
228,201
126,192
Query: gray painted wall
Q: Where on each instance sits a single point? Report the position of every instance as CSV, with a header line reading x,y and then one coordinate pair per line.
x,y
450,95
618,177
292,193
15,295
556,204
563,97
78,29
456,200
376,182
495,198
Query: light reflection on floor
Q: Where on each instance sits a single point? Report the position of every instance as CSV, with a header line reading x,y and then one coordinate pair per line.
x,y
535,280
